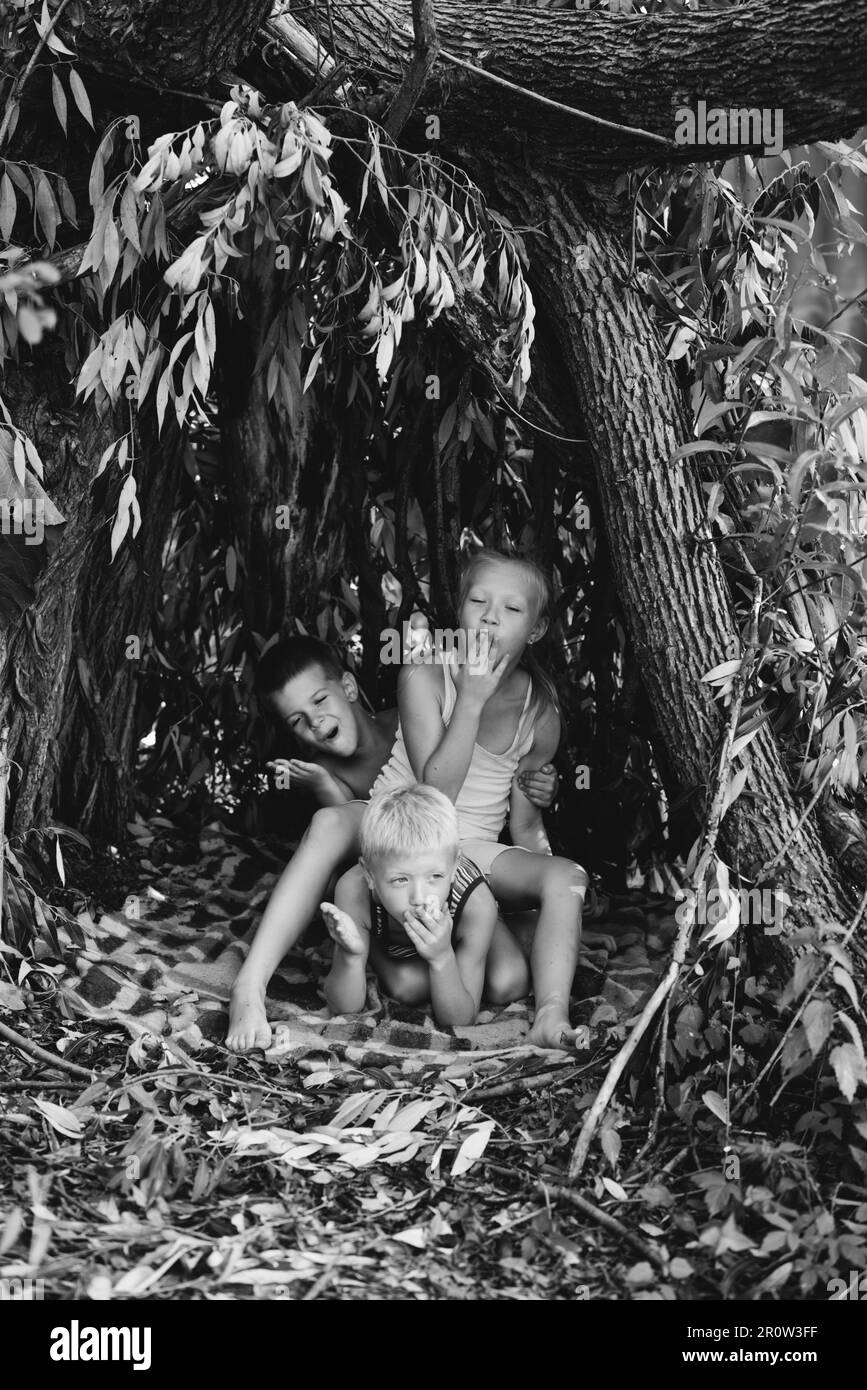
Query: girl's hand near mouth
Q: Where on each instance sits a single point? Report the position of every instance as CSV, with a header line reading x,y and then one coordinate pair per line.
x,y
485,667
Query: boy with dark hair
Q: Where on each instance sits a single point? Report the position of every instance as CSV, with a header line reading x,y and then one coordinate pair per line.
x,y
306,688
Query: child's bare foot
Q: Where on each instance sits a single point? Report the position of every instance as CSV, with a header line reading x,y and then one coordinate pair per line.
x,y
343,930
551,1027
248,1026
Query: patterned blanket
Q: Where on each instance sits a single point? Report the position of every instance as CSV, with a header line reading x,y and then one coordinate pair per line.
x,y
164,963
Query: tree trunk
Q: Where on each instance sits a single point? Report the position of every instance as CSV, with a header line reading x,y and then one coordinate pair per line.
x,y
668,575
74,748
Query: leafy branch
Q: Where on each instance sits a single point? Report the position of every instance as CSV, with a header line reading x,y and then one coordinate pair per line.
x,y
47,38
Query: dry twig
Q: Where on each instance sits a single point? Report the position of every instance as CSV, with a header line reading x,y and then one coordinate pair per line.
x,y
586,1207
663,991
34,1050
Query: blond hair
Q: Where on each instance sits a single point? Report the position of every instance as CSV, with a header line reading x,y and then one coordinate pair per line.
x,y
534,577
409,819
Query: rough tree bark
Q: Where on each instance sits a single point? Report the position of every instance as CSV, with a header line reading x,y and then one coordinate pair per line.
x,y
72,746
180,44
628,69
669,577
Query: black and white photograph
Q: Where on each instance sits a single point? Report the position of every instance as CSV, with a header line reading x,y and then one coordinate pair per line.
x,y
433,672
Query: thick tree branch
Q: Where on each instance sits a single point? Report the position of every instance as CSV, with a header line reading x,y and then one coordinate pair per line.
x,y
168,43
12,101
630,70
805,58
424,56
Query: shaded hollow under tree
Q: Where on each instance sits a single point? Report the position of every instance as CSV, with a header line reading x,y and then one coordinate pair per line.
x,y
554,178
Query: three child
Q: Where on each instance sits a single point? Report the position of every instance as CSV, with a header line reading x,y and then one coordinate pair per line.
x,y
478,731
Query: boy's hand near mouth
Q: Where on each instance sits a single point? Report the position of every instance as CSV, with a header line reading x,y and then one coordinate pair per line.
x,y
431,934
312,777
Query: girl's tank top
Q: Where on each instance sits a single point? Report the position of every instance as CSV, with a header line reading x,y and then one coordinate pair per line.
x,y
483,802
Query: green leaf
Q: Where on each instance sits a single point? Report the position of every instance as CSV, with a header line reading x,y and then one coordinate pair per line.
x,y
700,446
19,459
110,250
447,424
58,856
67,202
124,509
46,209
106,455
58,96
409,1117
13,111
11,997
845,981
149,367
777,1278
163,396
415,1236
818,1021
357,1107
8,207
311,370
79,93
57,45
848,1068
104,151
723,672
611,1144
744,740
61,1119
716,1105
128,218
472,1148
805,969
734,789
13,1227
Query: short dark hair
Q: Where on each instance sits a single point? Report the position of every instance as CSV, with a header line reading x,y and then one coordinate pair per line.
x,y
292,657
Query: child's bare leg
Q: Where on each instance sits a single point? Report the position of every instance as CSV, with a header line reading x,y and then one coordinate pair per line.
x,y
346,983
507,974
331,837
407,981
558,885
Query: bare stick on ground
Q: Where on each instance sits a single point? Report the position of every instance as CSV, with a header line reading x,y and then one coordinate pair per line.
x,y
42,1055
662,993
